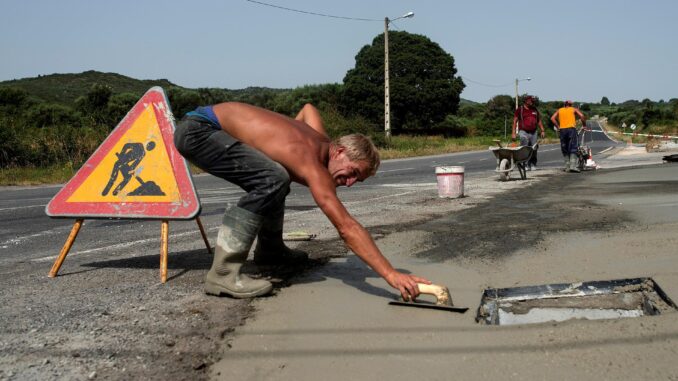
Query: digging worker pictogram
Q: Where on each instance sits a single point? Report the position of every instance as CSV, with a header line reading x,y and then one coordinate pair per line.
x,y
262,152
129,158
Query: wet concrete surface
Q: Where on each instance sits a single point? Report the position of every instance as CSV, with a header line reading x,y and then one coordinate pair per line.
x,y
335,321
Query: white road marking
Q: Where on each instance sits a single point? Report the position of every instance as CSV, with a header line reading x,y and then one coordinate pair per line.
x,y
401,185
23,207
120,245
396,170
147,240
28,199
18,240
218,200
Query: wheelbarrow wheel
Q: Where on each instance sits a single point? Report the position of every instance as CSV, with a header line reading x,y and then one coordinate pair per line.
x,y
504,166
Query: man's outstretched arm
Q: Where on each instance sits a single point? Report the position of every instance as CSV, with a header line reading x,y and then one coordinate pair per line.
x,y
358,239
311,116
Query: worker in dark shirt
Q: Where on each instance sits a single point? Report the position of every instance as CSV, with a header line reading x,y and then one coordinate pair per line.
x,y
526,119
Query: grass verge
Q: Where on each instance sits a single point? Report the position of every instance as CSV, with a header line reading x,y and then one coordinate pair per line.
x,y
36,176
399,147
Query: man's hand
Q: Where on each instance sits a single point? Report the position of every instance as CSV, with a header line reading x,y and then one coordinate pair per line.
x,y
406,284
542,134
513,137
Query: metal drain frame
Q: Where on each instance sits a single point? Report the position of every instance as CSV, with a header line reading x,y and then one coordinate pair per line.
x,y
491,297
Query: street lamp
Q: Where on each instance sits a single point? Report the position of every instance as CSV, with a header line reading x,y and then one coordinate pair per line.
x,y
387,104
518,80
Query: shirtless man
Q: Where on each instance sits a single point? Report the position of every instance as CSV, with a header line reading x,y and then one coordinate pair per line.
x,y
262,152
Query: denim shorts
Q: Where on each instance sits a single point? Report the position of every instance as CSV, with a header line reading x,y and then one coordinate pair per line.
x,y
211,149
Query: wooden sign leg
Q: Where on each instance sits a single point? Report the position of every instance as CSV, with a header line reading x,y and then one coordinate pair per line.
x,y
64,250
204,236
164,234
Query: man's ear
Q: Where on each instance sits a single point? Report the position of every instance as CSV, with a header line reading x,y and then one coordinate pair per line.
x,y
338,150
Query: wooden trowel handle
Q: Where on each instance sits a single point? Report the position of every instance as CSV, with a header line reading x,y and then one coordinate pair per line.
x,y
441,293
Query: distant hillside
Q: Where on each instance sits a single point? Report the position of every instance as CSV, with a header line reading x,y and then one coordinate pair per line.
x,y
463,101
65,88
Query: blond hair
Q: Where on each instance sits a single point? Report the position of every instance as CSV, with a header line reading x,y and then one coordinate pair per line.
x,y
360,148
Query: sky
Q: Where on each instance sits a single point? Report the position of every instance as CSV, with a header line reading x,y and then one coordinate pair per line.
x,y
579,50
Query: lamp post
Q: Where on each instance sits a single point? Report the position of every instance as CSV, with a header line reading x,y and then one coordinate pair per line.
x,y
518,80
387,104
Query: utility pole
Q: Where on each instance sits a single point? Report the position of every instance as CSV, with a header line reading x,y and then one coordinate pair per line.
x,y
518,80
387,94
387,101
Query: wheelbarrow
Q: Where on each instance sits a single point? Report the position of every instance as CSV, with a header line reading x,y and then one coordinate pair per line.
x,y
510,158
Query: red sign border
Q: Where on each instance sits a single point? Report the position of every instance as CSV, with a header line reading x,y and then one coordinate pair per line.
x,y
187,209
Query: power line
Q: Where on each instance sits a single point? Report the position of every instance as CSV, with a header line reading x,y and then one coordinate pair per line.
x,y
484,84
310,13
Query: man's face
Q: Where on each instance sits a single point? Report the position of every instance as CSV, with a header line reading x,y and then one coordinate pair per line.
x,y
347,172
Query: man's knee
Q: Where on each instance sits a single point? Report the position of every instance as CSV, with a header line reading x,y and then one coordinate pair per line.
x,y
273,189
279,182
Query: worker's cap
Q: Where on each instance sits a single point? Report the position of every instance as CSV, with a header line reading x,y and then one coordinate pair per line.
x,y
568,102
529,98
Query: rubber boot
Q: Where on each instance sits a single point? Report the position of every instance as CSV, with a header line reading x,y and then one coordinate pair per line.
x,y
574,161
236,234
567,163
271,250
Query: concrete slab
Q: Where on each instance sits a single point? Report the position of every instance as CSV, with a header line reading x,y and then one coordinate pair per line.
x,y
335,323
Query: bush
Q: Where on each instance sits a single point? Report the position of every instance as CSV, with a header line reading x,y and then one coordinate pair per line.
x,y
337,125
50,114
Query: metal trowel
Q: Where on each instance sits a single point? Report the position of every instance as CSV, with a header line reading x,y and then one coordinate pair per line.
x,y
442,295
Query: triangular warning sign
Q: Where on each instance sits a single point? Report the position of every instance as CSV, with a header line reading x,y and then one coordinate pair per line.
x,y
135,173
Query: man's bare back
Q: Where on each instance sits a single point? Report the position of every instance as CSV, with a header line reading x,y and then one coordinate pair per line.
x,y
292,143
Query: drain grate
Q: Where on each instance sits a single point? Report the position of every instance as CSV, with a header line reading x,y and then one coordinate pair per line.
x,y
611,299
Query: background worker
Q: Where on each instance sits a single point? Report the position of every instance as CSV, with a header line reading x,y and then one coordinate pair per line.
x,y
565,121
262,152
526,119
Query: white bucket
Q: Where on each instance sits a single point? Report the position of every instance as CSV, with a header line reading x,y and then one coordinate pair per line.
x,y
450,181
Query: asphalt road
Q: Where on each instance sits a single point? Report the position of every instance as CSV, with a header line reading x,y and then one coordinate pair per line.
x,y
26,233
107,316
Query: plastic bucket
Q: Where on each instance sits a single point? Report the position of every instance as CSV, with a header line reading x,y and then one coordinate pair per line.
x,y
450,182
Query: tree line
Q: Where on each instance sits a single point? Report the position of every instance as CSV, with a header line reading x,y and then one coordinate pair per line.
x,y
425,100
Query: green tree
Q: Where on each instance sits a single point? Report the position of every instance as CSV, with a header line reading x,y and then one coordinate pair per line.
x,y
183,101
95,100
119,105
52,114
322,96
500,106
93,104
423,85
210,96
604,101
12,97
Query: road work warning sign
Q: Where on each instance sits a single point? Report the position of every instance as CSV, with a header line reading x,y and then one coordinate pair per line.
x,y
135,173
